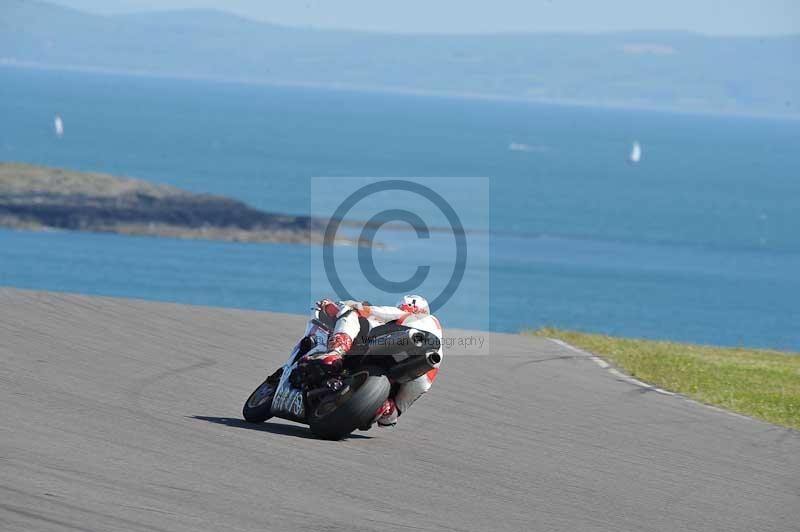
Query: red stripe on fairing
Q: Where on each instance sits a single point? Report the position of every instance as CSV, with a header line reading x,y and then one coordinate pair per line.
x,y
432,374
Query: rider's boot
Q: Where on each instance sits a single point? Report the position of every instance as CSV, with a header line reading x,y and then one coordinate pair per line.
x,y
387,414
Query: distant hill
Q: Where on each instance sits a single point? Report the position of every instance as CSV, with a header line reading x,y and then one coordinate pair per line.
x,y
676,71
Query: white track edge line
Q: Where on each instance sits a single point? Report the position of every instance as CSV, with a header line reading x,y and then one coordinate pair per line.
x,y
627,378
606,366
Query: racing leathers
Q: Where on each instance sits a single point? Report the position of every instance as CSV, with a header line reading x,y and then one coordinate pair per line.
x,y
347,328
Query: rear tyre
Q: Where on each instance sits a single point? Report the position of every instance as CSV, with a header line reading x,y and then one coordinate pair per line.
x,y
258,406
343,413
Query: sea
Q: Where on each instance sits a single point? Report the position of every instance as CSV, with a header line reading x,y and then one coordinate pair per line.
x,y
697,242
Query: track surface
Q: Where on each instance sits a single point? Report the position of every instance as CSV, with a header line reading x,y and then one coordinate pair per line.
x,y
124,415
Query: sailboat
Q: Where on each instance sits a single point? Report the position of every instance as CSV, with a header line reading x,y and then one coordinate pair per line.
x,y
58,126
636,153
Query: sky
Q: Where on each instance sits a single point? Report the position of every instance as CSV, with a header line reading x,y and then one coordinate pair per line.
x,y
715,17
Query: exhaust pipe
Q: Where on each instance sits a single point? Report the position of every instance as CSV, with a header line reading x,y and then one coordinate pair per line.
x,y
414,367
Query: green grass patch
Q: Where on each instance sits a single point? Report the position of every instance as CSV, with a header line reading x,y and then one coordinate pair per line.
x,y
756,382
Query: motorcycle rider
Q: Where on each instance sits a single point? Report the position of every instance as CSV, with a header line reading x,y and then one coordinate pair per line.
x,y
412,310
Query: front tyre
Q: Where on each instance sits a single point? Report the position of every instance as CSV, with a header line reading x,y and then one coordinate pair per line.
x,y
258,406
355,407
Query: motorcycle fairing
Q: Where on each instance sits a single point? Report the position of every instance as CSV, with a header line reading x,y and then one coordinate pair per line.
x,y
289,401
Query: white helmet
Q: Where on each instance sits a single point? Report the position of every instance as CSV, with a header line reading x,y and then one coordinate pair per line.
x,y
414,303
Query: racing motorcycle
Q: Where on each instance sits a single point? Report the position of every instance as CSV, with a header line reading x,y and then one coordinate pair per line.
x,y
336,401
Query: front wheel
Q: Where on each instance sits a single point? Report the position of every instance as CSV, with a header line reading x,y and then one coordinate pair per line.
x,y
354,407
258,406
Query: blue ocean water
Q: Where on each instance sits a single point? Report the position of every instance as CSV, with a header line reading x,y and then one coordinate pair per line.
x,y
699,242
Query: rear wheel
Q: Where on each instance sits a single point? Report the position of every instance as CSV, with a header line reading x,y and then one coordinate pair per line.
x,y
340,414
258,406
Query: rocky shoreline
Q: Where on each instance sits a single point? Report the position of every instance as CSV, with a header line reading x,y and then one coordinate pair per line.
x,y
41,198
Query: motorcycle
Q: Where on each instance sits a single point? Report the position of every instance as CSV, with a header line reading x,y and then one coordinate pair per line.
x,y
336,401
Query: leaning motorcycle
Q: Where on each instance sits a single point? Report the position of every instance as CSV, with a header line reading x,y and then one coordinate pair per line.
x,y
334,403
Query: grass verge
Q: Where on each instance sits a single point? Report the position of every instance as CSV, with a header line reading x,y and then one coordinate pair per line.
x,y
757,382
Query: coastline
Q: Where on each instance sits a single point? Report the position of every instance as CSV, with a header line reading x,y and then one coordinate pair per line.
x,y
36,197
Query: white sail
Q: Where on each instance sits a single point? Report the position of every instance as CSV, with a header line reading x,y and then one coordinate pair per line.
x,y
58,126
520,146
636,153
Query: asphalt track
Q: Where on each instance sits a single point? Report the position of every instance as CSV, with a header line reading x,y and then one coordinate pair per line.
x,y
124,415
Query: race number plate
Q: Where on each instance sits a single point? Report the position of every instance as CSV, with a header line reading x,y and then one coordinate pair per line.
x,y
288,400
